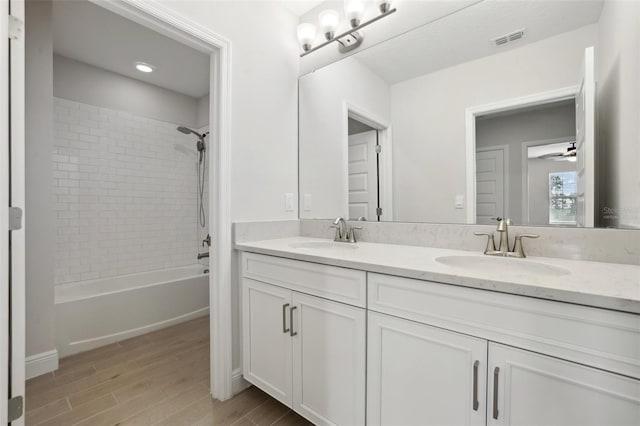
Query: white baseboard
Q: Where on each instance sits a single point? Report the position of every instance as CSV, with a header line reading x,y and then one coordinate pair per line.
x,y
42,363
238,383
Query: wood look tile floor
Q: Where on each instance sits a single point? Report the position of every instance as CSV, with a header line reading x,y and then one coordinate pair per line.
x,y
160,378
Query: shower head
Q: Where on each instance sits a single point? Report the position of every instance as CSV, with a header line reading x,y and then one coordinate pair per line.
x,y
187,131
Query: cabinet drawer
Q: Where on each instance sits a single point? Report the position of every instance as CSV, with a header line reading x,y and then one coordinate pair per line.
x,y
330,282
605,339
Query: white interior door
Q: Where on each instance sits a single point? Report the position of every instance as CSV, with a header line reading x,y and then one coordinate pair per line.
x,y
534,389
266,338
363,175
423,375
12,194
490,185
329,361
585,140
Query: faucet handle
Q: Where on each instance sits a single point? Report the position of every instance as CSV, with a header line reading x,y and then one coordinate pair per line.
x,y
338,235
491,244
517,248
352,233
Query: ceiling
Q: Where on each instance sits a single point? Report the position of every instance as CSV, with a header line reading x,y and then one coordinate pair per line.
x,y
88,33
300,7
466,35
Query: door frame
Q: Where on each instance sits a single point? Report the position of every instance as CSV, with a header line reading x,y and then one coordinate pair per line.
x,y
385,140
166,21
4,213
472,113
505,173
525,170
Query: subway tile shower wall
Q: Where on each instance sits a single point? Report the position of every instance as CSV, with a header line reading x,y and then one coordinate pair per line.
x,y
126,193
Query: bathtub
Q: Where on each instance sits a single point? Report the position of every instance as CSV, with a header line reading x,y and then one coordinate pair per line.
x,y
93,313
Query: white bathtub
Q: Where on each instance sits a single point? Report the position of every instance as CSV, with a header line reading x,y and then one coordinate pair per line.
x,y
94,313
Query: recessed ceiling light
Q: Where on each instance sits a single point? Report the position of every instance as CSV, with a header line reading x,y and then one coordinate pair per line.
x,y
144,67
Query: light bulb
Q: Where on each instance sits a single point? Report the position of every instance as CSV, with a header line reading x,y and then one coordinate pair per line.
x,y
306,35
354,11
328,23
383,5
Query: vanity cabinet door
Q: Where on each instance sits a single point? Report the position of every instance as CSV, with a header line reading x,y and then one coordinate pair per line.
x,y
329,350
423,375
533,389
266,338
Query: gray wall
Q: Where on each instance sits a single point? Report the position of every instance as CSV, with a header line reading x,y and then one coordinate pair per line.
x,y
618,86
39,219
202,112
541,124
84,83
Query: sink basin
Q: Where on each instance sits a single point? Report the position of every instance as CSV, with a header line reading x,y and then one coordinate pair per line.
x,y
502,265
323,245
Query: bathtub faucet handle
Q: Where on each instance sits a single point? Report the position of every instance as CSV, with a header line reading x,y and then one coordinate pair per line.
x,y
207,241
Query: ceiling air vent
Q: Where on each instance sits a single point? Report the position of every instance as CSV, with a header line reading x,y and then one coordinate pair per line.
x,y
508,38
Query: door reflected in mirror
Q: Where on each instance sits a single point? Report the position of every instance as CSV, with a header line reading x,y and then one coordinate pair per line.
x,y
463,128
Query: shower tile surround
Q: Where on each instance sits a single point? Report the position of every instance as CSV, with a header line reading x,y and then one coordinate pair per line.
x,y
599,245
125,193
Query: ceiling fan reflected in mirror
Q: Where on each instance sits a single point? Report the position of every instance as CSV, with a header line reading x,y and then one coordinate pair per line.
x,y
568,155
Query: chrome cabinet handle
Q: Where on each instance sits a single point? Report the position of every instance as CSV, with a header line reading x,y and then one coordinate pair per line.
x,y
475,385
496,372
284,318
291,332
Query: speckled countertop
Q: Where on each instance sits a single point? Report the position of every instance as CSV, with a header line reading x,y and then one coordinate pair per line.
x,y
597,284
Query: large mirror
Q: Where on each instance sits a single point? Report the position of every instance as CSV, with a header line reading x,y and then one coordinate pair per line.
x,y
519,109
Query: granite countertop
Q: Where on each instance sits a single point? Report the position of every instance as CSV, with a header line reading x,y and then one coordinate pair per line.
x,y
597,284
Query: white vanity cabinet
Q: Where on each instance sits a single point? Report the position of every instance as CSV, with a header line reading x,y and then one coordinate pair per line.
x,y
530,388
308,352
422,375
419,374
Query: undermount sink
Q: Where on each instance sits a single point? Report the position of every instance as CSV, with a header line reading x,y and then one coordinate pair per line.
x,y
502,264
323,245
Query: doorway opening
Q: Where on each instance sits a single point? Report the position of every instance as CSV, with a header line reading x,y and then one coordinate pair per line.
x,y
369,159
131,182
516,150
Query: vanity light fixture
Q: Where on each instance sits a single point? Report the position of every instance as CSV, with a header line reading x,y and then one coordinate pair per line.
x,y
306,35
144,67
354,11
328,23
350,39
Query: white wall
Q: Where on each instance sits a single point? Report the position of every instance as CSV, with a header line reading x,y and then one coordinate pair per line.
x,y
618,95
515,129
428,115
87,84
324,96
39,218
265,68
126,193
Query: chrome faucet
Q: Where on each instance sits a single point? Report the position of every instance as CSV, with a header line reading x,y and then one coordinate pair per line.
x,y
503,247
344,232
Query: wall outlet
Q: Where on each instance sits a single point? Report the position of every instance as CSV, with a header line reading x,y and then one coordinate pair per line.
x,y
459,202
288,202
307,203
